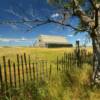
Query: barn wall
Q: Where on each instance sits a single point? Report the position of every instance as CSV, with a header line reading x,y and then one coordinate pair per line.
x,y
58,45
47,42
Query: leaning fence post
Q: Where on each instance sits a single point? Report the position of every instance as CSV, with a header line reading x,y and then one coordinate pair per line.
x,y
30,67
18,69
1,78
22,68
26,66
5,73
14,68
10,74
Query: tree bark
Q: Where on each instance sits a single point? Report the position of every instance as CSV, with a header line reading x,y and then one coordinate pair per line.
x,y
96,60
96,56
94,26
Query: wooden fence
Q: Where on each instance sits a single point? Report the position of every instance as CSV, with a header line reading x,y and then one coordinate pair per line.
x,y
17,74
70,60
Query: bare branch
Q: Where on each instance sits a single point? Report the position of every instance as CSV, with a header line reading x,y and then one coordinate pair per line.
x,y
20,21
82,15
93,3
67,25
40,22
43,23
60,23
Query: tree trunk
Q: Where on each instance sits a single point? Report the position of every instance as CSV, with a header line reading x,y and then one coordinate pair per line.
x,y
94,26
96,57
96,60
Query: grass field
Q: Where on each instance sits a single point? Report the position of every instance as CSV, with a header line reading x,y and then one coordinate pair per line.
x,y
35,53
72,85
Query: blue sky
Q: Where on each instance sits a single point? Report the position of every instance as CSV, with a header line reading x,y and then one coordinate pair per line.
x,y
17,35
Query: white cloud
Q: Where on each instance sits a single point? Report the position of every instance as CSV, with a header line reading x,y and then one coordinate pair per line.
x,y
70,35
15,39
4,40
55,15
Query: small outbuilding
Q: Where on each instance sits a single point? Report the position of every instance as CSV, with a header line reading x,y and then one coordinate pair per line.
x,y
51,41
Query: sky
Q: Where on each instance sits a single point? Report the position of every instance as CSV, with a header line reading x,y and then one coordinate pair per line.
x,y
26,34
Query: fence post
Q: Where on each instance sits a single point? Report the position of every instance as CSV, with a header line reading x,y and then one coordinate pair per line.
x,y
37,70
26,66
64,61
22,69
50,72
18,70
69,61
30,67
57,64
14,75
5,73
62,64
78,52
33,72
9,66
43,67
81,57
46,68
1,79
40,63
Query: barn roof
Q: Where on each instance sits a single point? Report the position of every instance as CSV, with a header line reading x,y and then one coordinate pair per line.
x,y
53,39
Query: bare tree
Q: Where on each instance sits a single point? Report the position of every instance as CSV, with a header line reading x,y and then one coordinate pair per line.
x,y
89,20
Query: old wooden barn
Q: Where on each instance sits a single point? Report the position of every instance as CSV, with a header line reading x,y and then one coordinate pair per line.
x,y
51,41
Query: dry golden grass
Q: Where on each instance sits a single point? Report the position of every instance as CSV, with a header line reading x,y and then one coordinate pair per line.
x,y
10,51
77,90
49,54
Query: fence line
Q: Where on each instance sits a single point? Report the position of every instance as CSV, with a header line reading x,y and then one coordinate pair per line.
x,y
24,70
